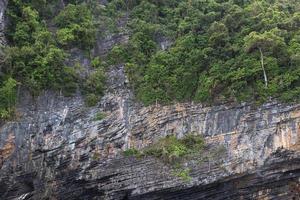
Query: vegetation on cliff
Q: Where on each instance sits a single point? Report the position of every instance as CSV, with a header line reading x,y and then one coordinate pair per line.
x,y
38,49
173,151
209,51
182,154
221,50
7,98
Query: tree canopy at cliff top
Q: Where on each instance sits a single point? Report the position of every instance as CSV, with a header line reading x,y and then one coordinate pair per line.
x,y
222,50
208,51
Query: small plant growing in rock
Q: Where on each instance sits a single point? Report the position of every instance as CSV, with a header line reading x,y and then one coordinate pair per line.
x,y
131,152
99,116
193,143
96,156
91,100
172,151
94,87
95,83
8,96
70,80
96,62
184,174
117,55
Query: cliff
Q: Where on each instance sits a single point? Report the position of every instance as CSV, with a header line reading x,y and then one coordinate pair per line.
x,y
2,21
55,149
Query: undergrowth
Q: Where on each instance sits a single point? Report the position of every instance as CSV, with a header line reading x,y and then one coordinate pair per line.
x,y
173,151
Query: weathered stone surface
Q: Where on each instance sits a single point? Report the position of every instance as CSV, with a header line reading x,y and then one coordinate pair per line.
x,y
2,21
58,150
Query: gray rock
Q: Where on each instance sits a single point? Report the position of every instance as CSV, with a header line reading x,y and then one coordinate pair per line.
x,y
56,150
3,4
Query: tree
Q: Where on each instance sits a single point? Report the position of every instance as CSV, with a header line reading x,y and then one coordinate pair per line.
x,y
25,27
218,35
265,43
7,98
294,51
76,26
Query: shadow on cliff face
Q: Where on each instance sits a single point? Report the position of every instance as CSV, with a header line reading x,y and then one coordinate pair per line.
x,y
69,152
22,189
277,179
3,188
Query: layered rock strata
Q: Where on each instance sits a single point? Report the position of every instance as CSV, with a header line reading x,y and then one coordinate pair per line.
x,y
57,150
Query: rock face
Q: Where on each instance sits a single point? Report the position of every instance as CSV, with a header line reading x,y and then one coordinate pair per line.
x,y
3,4
56,149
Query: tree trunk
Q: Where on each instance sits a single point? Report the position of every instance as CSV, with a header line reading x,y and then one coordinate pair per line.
x,y
263,67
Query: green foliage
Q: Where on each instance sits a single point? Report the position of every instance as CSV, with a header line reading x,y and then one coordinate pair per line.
x,y
215,55
37,66
94,87
95,83
7,98
91,100
173,151
96,62
36,58
117,55
216,52
25,28
131,152
193,143
170,148
69,80
76,27
184,174
99,116
65,36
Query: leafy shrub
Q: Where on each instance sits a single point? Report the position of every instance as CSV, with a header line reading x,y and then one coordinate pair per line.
x,y
95,83
99,116
222,51
91,100
76,26
7,98
131,152
193,143
94,87
171,149
117,55
65,36
184,174
35,60
96,62
69,81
